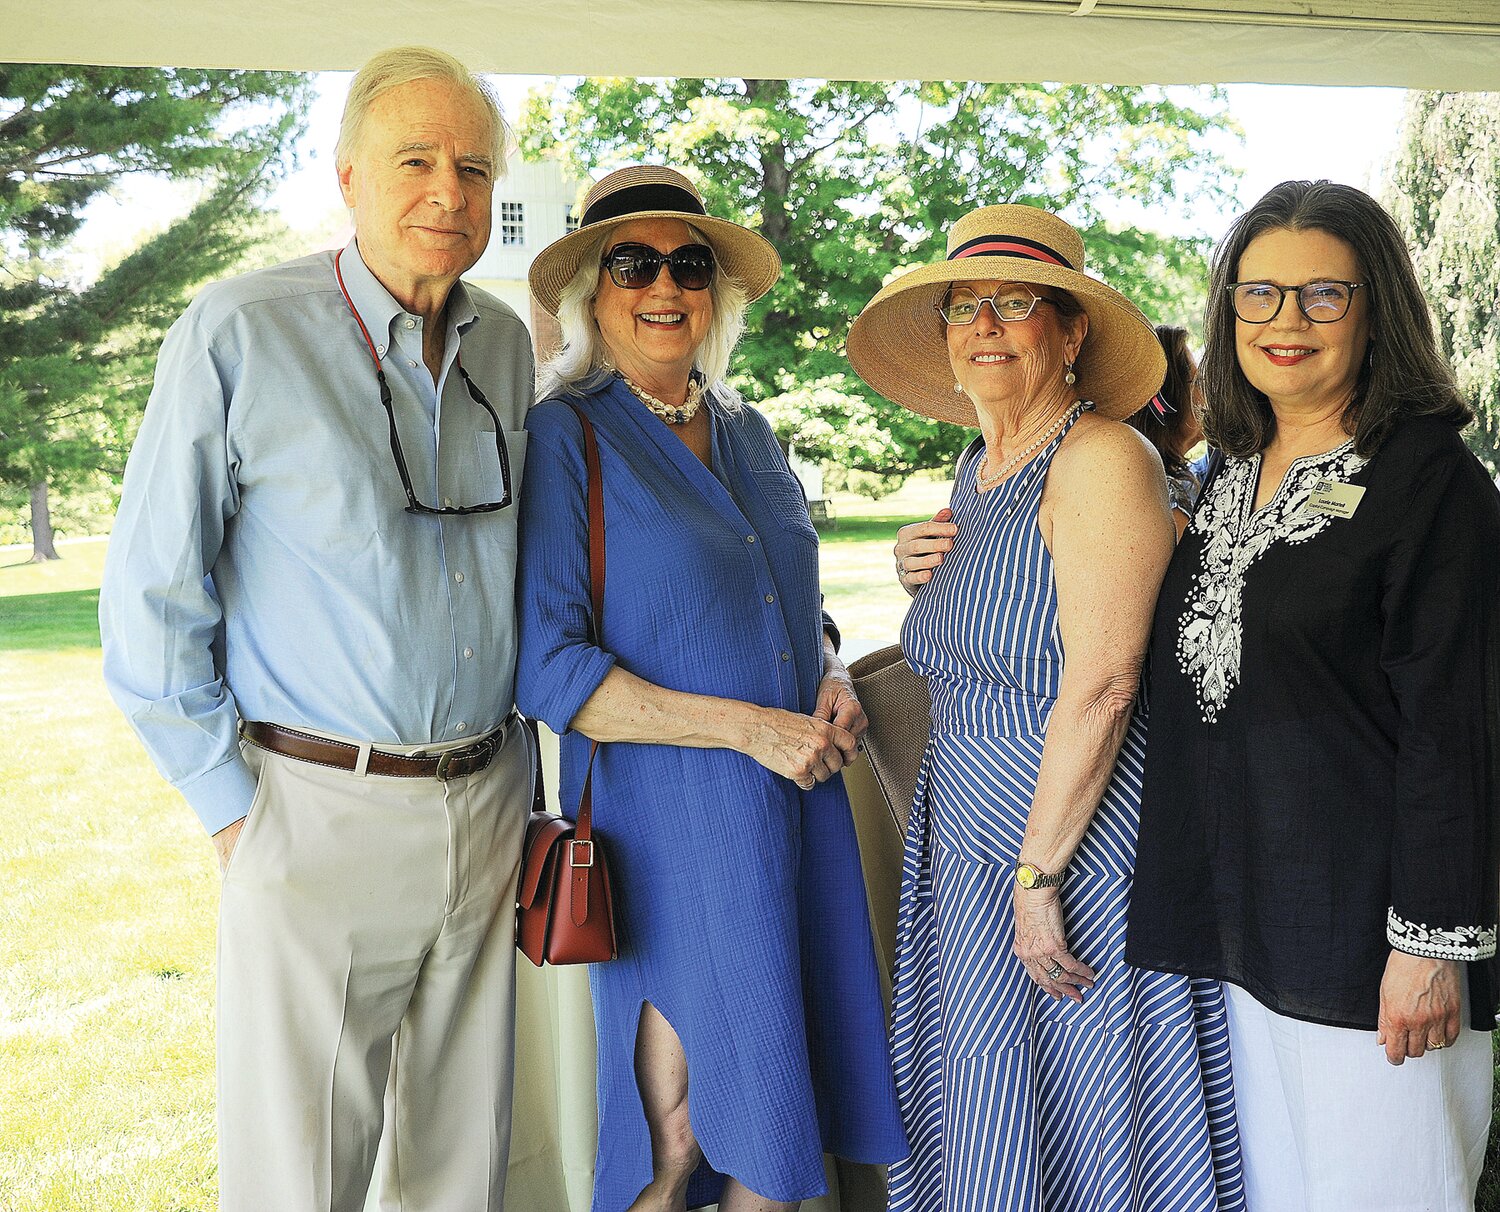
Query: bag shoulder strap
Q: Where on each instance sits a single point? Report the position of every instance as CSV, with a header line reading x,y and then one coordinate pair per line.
x,y
583,830
969,451
596,519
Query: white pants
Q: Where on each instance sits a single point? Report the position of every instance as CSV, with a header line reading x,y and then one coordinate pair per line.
x,y
1327,1124
367,988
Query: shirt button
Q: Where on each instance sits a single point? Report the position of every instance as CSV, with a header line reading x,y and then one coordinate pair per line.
x,y
412,364
380,349
459,577
410,323
749,538
460,727
770,597
786,656
468,654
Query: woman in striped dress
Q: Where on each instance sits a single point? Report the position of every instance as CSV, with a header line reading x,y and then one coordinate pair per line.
x,y
1035,1069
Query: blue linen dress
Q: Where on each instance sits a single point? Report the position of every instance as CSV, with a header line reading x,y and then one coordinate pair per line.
x,y
1011,1100
740,899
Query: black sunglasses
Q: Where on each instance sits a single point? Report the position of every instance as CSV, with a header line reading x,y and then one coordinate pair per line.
x,y
412,504
635,266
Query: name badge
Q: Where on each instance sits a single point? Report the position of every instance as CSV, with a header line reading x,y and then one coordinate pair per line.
x,y
1336,499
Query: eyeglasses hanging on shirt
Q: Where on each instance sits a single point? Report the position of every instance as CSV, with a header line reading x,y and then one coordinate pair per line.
x,y
412,504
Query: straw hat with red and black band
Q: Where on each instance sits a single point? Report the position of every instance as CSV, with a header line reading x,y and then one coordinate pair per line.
x,y
897,344
647,191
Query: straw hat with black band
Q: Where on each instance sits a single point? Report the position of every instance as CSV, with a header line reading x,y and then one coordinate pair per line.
x,y
647,191
897,344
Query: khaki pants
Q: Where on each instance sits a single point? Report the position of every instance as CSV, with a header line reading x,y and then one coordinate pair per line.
x,y
367,988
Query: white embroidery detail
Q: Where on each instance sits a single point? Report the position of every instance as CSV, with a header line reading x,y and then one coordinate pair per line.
x,y
1235,535
1455,943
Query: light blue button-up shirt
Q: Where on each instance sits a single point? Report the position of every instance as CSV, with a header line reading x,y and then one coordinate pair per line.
x,y
263,566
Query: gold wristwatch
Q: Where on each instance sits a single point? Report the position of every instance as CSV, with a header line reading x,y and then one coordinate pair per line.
x,y
1028,876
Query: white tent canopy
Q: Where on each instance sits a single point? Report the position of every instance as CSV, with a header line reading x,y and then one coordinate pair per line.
x,y
1441,44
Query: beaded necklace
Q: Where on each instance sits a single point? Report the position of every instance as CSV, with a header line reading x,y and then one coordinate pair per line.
x,y
672,414
986,479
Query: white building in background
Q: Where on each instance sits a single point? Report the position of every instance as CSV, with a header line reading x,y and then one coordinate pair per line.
x,y
534,204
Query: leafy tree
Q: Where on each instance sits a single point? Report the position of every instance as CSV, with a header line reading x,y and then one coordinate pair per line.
x,y
852,180
73,358
1444,191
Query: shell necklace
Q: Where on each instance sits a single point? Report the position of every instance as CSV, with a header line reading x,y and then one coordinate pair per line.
x,y
987,479
672,414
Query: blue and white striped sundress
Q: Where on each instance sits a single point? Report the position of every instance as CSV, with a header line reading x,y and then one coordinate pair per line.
x,y
1013,1102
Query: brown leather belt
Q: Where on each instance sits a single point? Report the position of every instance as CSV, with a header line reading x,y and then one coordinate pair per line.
x,y
450,764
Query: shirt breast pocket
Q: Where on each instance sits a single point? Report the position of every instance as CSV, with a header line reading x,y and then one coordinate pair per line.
x,y
783,496
492,462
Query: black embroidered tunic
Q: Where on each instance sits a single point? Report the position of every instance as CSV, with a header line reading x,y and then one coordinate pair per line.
x,y
1321,780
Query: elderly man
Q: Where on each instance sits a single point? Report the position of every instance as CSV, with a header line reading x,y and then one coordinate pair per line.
x,y
307,616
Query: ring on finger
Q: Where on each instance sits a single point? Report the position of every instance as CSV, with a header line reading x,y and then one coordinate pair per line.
x,y
900,567
1437,1047
1055,971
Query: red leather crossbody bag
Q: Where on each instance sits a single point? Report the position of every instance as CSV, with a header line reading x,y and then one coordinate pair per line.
x,y
565,909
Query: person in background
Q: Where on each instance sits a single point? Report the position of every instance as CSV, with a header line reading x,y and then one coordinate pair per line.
x,y
740,1030
1170,423
1318,826
1036,1068
308,616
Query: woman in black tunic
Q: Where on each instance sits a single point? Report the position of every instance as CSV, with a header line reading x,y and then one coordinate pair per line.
x,y
1318,825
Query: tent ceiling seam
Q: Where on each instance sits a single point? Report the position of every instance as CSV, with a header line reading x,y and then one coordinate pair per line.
x,y
1147,12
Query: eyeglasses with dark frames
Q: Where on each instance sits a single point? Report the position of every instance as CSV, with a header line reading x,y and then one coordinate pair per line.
x,y
1323,301
501,450
636,266
1010,303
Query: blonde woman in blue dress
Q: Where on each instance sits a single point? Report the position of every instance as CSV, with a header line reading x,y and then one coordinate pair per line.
x,y
1035,1070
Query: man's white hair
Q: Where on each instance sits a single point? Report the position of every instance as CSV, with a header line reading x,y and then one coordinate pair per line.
x,y
401,65
582,363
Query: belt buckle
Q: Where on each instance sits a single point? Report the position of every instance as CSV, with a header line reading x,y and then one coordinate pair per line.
x,y
485,747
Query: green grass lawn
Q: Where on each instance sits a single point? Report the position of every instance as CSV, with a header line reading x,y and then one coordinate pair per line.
x,y
108,896
106,928
858,567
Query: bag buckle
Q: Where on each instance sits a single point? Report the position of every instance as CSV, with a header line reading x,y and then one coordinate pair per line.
x,y
573,854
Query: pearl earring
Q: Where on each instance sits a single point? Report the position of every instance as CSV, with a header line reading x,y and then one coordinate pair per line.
x,y
958,389
1070,378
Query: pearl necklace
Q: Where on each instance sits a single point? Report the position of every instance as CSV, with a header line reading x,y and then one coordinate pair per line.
x,y
672,414
987,479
